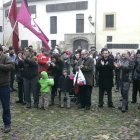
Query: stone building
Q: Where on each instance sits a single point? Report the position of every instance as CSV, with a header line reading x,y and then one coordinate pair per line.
x,y
115,24
65,23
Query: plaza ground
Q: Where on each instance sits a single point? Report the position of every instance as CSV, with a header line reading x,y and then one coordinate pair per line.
x,y
73,124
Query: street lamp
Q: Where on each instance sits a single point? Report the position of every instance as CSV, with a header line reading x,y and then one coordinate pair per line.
x,y
90,20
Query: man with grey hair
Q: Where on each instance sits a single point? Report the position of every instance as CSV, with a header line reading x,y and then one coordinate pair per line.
x,y
86,64
126,67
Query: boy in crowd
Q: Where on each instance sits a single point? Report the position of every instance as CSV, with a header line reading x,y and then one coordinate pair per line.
x,y
65,87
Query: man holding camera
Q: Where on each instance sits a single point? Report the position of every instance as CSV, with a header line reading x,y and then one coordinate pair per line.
x,y
30,73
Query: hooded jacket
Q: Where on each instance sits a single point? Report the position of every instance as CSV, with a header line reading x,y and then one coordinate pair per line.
x,y
45,82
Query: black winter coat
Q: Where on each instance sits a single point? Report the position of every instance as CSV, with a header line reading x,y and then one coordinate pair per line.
x,y
56,71
105,73
30,68
64,84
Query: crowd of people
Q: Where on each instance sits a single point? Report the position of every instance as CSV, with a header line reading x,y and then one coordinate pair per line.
x,y
48,74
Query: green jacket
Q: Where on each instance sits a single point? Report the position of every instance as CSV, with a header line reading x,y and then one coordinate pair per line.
x,y
45,82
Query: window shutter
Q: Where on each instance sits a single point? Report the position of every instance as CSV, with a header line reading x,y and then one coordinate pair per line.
x,y
0,28
109,21
24,44
79,23
53,43
53,25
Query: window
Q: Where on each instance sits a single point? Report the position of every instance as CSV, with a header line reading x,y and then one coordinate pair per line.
x,y
83,5
122,46
53,43
80,23
53,25
24,44
109,38
0,28
109,21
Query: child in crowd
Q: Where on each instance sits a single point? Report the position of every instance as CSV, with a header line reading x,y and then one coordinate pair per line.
x,y
45,84
65,87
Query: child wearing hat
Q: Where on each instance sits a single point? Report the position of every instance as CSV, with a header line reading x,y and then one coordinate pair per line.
x,y
65,87
45,84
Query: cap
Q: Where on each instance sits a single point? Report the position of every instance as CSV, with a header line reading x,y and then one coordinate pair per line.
x,y
138,51
11,48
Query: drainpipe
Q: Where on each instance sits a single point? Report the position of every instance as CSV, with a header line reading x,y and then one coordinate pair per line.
x,y
95,20
3,22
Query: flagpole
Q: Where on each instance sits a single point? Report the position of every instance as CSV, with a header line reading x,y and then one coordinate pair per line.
x,y
11,33
6,23
10,8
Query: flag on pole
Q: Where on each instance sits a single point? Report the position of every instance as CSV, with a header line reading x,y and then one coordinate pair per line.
x,y
24,17
12,15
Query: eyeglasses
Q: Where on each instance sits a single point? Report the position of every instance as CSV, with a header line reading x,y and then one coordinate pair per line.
x,y
82,54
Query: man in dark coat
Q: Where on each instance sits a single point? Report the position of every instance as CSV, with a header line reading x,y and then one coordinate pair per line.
x,y
105,66
136,78
86,65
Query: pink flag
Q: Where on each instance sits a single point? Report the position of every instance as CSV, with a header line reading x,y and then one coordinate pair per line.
x,y
12,15
24,17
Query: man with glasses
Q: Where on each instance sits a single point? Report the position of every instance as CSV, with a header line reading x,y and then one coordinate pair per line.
x,y
86,65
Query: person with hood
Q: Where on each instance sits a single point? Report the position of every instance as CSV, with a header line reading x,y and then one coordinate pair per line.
x,y
45,84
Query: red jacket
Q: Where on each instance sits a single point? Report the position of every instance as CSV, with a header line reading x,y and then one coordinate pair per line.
x,y
42,65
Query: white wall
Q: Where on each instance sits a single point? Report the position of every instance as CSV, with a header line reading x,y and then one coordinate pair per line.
x,y
66,21
127,22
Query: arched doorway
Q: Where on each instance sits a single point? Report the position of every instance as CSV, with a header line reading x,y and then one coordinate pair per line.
x,y
80,42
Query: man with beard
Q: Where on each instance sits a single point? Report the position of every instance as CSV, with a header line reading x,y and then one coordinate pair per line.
x,y
86,64
12,57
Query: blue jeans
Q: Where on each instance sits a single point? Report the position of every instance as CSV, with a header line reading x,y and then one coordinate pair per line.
x,y
5,100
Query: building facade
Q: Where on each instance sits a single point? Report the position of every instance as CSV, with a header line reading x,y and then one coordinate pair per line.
x,y
118,24
64,22
1,21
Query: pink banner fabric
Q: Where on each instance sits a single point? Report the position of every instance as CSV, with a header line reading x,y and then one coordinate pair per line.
x,y
24,17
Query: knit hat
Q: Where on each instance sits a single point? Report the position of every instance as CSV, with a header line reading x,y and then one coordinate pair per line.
x,y
1,49
138,51
11,48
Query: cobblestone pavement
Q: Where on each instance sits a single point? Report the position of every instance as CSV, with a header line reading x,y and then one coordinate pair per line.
x,y
73,124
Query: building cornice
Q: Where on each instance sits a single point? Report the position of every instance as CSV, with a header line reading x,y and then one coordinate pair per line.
x,y
19,1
